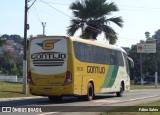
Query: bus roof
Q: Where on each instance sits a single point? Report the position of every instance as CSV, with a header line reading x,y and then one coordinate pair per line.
x,y
98,43
87,41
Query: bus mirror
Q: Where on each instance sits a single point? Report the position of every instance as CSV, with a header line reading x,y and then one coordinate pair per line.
x,y
130,62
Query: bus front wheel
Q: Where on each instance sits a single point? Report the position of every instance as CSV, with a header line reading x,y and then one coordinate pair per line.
x,y
120,93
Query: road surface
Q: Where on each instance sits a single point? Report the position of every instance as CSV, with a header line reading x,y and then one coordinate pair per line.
x,y
101,103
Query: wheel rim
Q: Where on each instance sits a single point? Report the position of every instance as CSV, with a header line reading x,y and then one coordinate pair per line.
x,y
121,89
90,92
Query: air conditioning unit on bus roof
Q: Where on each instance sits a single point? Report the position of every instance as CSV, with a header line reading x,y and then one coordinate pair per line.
x,y
40,35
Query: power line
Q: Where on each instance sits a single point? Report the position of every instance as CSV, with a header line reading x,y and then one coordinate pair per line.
x,y
147,8
79,21
55,8
139,10
37,16
128,38
141,7
31,4
48,13
57,3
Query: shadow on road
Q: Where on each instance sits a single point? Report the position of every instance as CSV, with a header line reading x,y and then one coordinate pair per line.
x,y
44,101
22,102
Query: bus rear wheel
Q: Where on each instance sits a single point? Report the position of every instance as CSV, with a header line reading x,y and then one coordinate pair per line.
x,y
90,92
55,98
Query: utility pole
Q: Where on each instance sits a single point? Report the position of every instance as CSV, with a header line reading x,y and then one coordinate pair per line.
x,y
141,68
26,27
43,25
25,49
156,71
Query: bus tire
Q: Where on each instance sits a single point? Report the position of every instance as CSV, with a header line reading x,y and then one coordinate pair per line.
x,y
55,98
120,93
90,92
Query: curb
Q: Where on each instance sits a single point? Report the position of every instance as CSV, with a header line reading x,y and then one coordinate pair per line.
x,y
19,98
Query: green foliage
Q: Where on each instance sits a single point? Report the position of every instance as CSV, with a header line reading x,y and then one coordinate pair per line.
x,y
135,72
11,65
2,41
5,36
91,16
149,61
157,35
16,38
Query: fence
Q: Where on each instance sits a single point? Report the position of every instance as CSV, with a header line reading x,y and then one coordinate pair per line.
x,y
10,78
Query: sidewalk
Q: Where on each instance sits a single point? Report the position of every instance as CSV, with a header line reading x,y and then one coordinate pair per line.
x,y
20,98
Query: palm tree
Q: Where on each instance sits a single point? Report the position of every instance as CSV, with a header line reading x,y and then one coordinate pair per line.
x,y
92,17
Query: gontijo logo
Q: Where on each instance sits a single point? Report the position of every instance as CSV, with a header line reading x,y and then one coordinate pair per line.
x,y
48,58
48,44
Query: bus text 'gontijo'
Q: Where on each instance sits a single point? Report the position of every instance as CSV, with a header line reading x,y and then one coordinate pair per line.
x,y
95,69
48,56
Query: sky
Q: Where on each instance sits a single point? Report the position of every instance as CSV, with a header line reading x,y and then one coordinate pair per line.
x,y
139,16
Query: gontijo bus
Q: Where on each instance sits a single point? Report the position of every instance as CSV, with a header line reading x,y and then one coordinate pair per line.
x,y
62,66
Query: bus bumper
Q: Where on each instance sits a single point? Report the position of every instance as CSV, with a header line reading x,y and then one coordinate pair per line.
x,y
50,90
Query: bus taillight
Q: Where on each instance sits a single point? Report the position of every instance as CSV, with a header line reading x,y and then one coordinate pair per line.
x,y
30,78
68,78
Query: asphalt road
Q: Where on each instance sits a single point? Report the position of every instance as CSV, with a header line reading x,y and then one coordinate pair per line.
x,y
102,102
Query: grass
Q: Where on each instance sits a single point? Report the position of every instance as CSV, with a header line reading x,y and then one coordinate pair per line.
x,y
120,110
11,90
133,87
130,113
151,104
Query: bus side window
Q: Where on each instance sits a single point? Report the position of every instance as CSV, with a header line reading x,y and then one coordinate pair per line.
x,y
79,50
89,54
113,57
126,62
119,57
107,56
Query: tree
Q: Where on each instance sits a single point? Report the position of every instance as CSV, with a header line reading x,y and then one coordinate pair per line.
x,y
148,60
136,58
92,17
10,64
157,36
5,36
16,38
2,41
147,34
7,63
142,41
